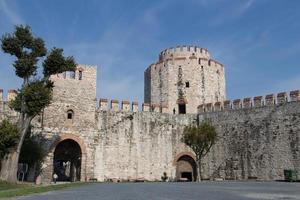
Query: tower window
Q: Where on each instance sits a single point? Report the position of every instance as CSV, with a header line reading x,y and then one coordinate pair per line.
x,y
187,84
70,114
80,75
182,108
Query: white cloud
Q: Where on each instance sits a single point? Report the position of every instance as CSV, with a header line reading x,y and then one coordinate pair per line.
x,y
10,13
233,12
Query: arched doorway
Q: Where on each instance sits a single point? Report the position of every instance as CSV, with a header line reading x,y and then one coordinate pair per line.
x,y
67,160
186,168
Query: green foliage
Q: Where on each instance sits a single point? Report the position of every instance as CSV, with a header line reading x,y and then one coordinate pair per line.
x,y
37,95
200,138
32,151
23,45
57,63
9,135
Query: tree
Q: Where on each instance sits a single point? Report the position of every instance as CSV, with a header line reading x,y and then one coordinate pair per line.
x,y
9,135
32,152
200,139
35,93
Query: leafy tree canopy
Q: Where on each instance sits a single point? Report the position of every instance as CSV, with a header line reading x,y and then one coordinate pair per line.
x,y
37,95
32,151
36,92
200,138
23,45
9,135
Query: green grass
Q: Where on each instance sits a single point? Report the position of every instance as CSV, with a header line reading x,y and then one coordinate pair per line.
x,y
12,190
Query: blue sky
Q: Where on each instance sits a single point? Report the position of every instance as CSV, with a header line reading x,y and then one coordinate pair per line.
x,y
258,41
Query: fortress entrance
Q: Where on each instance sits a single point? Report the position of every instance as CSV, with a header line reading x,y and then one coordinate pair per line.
x,y
67,161
186,169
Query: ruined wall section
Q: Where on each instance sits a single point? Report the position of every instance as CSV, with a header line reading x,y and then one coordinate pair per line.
x,y
185,74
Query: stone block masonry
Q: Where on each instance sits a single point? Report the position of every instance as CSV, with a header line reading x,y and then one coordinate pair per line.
x,y
184,76
257,137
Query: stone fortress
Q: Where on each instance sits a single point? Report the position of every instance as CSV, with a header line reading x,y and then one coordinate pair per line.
x,y
117,141
183,78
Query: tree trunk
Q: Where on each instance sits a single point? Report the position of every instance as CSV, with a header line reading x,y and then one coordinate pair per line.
x,y
10,163
199,170
10,167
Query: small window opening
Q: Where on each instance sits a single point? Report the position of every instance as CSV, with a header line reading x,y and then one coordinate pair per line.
x,y
70,114
181,109
187,84
80,75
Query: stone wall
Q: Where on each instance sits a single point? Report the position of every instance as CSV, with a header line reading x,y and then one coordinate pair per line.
x,y
255,142
187,75
252,143
140,145
5,110
71,94
257,138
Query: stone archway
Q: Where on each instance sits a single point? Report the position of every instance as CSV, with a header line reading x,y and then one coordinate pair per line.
x,y
67,161
186,167
81,175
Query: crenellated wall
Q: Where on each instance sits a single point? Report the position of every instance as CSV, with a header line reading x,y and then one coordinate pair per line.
x,y
126,106
249,102
256,142
257,137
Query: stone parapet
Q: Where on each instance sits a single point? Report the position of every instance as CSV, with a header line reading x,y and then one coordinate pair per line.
x,y
295,95
11,95
114,105
258,101
248,102
270,99
135,106
103,104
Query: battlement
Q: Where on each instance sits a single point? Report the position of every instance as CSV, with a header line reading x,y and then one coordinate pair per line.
x,y
126,106
82,73
11,94
184,51
248,102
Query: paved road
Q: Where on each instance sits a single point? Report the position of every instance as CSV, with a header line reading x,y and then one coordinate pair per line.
x,y
176,191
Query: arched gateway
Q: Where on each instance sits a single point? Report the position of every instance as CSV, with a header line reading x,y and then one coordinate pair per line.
x,y
67,161
68,158
186,168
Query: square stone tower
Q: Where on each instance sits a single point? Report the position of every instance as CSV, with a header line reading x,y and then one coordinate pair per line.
x,y
183,78
74,99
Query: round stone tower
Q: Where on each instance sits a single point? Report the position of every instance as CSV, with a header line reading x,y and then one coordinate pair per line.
x,y
183,78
